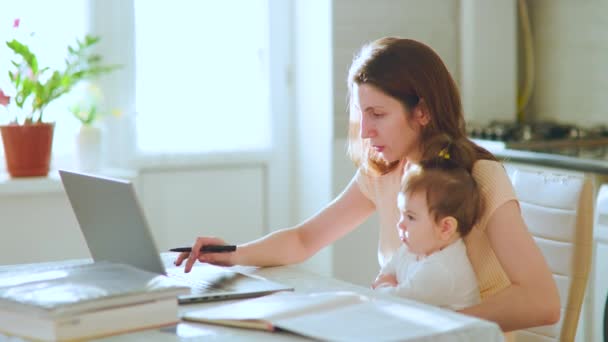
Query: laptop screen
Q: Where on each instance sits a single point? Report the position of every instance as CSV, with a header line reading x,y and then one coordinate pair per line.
x,y
112,220
115,229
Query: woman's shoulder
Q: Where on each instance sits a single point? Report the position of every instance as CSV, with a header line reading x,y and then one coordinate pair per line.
x,y
488,170
487,165
494,183
492,177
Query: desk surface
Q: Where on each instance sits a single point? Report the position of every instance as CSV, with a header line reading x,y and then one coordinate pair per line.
x,y
432,319
305,281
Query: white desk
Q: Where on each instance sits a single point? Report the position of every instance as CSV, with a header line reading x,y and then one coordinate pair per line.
x,y
469,328
428,323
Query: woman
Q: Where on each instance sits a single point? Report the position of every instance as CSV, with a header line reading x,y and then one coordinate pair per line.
x,y
401,96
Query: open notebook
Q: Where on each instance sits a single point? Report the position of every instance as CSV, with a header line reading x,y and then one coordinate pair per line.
x,y
347,316
116,230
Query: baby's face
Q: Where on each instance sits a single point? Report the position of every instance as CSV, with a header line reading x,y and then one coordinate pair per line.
x,y
416,227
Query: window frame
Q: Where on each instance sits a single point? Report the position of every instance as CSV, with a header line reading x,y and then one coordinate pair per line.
x,y
278,176
120,47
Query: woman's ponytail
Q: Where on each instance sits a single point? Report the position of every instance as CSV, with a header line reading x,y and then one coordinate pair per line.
x,y
443,152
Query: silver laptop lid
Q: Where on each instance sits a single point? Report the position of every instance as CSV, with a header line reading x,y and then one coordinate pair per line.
x,y
112,220
115,229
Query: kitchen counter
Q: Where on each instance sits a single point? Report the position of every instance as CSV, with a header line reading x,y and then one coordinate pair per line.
x,y
593,160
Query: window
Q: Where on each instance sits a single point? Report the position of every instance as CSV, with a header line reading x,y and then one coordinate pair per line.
x,y
202,80
201,72
48,37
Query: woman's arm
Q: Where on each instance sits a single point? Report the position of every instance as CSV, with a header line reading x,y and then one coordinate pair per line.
x,y
532,299
293,245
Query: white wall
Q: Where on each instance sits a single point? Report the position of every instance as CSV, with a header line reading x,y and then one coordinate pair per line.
x,y
119,86
488,36
224,201
179,202
355,22
571,47
38,226
313,107
355,257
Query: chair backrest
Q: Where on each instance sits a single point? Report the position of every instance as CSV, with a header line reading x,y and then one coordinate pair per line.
x,y
558,210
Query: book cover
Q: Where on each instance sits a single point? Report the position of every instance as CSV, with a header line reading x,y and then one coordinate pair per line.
x,y
75,301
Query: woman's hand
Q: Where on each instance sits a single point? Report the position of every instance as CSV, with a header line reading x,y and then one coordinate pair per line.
x,y
385,280
221,259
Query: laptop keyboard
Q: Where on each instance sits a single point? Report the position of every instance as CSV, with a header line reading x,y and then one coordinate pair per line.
x,y
198,285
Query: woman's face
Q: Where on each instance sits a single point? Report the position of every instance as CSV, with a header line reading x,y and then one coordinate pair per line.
x,y
386,124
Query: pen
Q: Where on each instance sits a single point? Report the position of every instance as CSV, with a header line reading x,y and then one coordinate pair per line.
x,y
207,249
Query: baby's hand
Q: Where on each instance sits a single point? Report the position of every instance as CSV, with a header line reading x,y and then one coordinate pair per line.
x,y
385,280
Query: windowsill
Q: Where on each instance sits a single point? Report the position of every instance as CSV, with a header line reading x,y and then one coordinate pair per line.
x,y
19,186
162,161
49,184
172,161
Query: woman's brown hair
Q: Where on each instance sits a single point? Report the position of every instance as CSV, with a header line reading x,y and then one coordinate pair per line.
x,y
410,72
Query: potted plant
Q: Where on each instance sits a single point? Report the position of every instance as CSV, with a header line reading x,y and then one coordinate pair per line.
x,y
27,137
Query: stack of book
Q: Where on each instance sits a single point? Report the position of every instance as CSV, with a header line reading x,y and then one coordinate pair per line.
x,y
82,301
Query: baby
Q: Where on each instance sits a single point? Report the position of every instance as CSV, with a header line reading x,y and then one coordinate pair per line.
x,y
439,204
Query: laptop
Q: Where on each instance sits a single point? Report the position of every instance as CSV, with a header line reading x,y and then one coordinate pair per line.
x,y
115,229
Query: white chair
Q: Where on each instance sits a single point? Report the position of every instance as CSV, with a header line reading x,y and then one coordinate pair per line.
x,y
558,210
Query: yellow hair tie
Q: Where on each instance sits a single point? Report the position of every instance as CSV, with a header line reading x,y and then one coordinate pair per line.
x,y
444,154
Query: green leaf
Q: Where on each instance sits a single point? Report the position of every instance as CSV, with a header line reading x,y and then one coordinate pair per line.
x,y
91,40
23,51
80,64
94,59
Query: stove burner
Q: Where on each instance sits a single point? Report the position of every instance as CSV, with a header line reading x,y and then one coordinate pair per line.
x,y
547,137
541,131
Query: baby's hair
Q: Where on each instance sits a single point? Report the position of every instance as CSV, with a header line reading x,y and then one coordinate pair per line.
x,y
445,175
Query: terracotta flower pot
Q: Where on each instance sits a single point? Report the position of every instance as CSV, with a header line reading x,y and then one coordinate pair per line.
x,y
27,149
